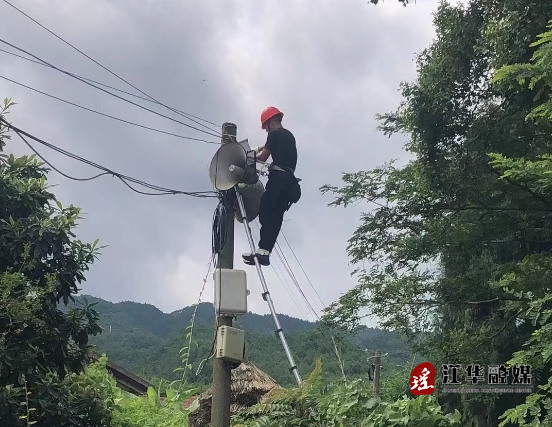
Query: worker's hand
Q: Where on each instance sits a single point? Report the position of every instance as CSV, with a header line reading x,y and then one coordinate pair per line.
x,y
259,149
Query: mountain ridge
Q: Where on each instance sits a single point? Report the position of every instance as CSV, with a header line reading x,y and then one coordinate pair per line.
x,y
145,340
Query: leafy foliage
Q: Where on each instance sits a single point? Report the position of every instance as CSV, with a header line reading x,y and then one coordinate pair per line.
x,y
530,282
345,403
41,265
455,229
152,411
78,399
92,398
44,343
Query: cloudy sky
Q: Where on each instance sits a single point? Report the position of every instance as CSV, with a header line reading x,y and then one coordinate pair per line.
x,y
329,65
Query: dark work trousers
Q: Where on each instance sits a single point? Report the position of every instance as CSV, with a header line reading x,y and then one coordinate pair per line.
x,y
274,203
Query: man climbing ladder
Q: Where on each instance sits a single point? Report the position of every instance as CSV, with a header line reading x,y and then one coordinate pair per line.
x,y
282,188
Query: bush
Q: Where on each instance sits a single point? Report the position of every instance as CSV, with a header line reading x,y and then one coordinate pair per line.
x,y
93,399
343,404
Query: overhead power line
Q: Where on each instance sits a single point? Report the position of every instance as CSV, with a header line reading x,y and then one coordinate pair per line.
x,y
281,278
107,115
161,191
107,69
287,288
280,254
288,269
278,250
108,92
302,269
96,82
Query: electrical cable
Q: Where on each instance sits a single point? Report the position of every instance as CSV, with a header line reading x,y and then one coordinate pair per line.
x,y
280,254
106,115
105,68
192,321
220,237
218,241
302,269
108,92
56,169
123,178
288,290
286,287
212,350
294,279
220,228
292,275
98,83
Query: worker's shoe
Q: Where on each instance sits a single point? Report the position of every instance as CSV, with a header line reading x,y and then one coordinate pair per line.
x,y
262,255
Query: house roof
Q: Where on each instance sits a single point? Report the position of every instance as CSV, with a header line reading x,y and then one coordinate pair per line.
x,y
125,380
249,386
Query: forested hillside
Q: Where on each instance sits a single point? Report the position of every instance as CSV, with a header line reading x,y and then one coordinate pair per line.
x,y
147,341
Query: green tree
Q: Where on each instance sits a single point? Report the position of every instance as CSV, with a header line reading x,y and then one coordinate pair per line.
x,y
530,282
449,225
41,265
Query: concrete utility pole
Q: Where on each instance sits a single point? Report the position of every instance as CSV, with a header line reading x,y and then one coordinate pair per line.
x,y
377,368
222,379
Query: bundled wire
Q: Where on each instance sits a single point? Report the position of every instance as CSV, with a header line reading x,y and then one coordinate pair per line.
x,y
219,238
220,227
161,191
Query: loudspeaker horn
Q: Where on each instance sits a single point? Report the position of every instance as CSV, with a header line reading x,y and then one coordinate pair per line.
x,y
232,165
251,195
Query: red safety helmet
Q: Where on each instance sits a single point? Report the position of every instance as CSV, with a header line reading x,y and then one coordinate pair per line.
x,y
268,113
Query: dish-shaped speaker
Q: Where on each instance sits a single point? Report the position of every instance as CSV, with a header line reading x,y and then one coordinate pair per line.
x,y
251,195
231,165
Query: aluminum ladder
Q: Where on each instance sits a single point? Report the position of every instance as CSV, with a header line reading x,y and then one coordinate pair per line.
x,y
266,293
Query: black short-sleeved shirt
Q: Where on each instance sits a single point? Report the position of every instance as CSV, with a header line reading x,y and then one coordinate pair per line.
x,y
283,149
